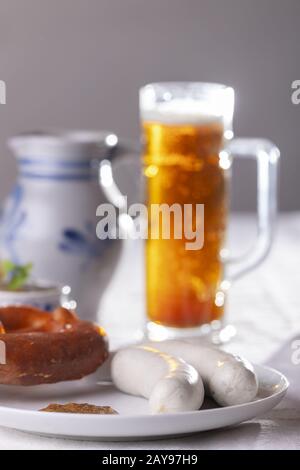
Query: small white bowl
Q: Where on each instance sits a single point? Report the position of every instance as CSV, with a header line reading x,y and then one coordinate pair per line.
x,y
41,294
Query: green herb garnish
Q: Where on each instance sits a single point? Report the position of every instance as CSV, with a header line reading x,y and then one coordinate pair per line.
x,y
13,275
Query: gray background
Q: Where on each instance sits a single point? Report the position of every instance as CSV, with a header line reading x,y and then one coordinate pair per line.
x,y
79,64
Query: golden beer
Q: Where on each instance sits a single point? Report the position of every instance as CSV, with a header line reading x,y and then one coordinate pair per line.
x,y
182,166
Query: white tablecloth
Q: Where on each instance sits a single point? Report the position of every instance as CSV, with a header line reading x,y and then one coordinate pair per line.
x,y
265,308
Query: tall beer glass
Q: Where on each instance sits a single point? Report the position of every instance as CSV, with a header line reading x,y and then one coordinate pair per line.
x,y
187,154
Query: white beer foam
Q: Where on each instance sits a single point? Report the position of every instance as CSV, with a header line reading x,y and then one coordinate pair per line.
x,y
182,112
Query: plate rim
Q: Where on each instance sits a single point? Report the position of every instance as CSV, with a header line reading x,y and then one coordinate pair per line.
x,y
160,416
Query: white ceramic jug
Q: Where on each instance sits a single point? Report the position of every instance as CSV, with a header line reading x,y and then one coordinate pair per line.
x,y
49,218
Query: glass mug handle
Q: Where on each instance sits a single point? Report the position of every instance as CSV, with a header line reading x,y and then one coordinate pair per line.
x,y
267,156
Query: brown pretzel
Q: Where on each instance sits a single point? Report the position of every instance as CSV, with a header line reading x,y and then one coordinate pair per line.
x,y
45,348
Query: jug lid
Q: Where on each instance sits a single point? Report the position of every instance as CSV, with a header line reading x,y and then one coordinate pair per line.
x,y
61,155
63,145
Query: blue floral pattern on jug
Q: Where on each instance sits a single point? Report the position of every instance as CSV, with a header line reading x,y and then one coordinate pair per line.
x,y
12,218
82,242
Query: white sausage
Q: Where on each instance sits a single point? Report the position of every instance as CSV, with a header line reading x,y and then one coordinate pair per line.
x,y
228,379
169,383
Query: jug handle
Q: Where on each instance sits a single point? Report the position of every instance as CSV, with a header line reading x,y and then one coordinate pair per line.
x,y
115,149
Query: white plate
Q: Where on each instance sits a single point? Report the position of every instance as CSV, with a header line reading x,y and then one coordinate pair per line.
x,y
18,410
